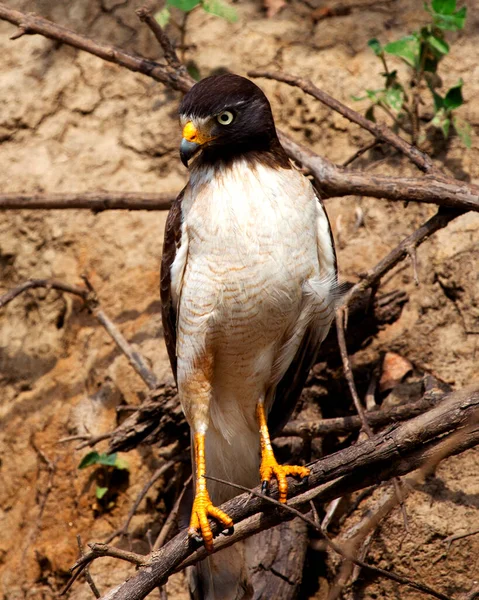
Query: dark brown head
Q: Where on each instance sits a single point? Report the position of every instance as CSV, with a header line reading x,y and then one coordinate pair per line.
x,y
225,116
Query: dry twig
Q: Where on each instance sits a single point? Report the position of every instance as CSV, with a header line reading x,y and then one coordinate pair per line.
x,y
403,449
123,530
90,298
94,201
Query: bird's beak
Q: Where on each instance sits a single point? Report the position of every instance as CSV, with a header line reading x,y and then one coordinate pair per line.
x,y
192,141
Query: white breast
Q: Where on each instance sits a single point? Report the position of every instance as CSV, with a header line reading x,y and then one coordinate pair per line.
x,y
248,279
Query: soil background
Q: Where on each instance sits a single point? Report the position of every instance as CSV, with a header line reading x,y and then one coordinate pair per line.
x,y
70,122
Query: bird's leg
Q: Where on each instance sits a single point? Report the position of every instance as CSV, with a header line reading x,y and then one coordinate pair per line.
x,y
202,505
269,465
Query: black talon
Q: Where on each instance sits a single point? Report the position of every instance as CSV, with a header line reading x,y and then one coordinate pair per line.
x,y
265,487
198,538
229,531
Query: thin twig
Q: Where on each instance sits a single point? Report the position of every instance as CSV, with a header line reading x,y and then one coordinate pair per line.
x,y
88,576
340,317
442,218
151,481
31,24
380,132
90,298
338,549
98,551
360,152
144,14
165,530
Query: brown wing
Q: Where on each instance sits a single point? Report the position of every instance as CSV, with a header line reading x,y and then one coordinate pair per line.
x,y
170,246
291,385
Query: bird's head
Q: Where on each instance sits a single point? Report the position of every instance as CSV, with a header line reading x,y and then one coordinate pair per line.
x,y
225,116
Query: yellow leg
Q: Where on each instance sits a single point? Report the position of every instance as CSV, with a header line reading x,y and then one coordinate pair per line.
x,y
269,465
202,505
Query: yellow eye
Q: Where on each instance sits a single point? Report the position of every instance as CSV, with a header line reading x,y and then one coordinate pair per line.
x,y
225,118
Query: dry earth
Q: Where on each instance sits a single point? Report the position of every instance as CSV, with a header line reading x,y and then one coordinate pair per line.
x,y
70,122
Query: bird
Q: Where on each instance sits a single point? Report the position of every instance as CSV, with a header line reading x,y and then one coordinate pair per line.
x,y
248,293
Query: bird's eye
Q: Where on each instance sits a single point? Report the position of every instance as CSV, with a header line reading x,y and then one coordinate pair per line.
x,y
225,118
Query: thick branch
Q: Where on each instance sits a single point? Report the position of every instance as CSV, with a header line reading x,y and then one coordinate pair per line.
x,y
400,450
31,24
380,132
95,201
343,425
335,181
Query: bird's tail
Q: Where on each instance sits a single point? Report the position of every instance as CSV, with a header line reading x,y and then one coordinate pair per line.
x,y
225,574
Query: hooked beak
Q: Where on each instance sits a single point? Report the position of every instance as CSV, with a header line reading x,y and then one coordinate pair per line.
x,y
192,141
188,150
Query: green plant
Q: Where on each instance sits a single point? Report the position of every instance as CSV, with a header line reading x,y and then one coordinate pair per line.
x,y
422,52
110,462
214,7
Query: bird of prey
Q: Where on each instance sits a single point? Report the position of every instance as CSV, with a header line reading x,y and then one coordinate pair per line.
x,y
248,287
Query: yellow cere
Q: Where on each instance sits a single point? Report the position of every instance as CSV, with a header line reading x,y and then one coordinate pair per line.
x,y
190,133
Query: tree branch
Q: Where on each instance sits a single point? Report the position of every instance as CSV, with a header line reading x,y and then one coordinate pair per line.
x,y
88,295
31,24
95,201
442,218
334,181
380,132
400,450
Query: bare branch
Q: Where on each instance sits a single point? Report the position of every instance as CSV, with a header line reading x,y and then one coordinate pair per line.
x,y
380,132
335,181
442,218
403,449
31,24
151,481
90,298
144,14
338,549
88,577
165,530
95,201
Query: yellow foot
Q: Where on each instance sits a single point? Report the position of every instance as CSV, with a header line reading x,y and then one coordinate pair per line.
x,y
270,467
202,509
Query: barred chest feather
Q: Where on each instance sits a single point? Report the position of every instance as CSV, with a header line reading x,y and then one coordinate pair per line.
x,y
255,266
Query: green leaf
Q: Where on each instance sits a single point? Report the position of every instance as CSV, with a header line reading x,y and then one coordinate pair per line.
x,y
438,44
444,7
408,48
184,5
438,101
375,46
463,130
395,98
453,98
89,459
375,95
162,17
220,9
193,71
442,121
121,463
358,98
100,492
451,22
108,460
